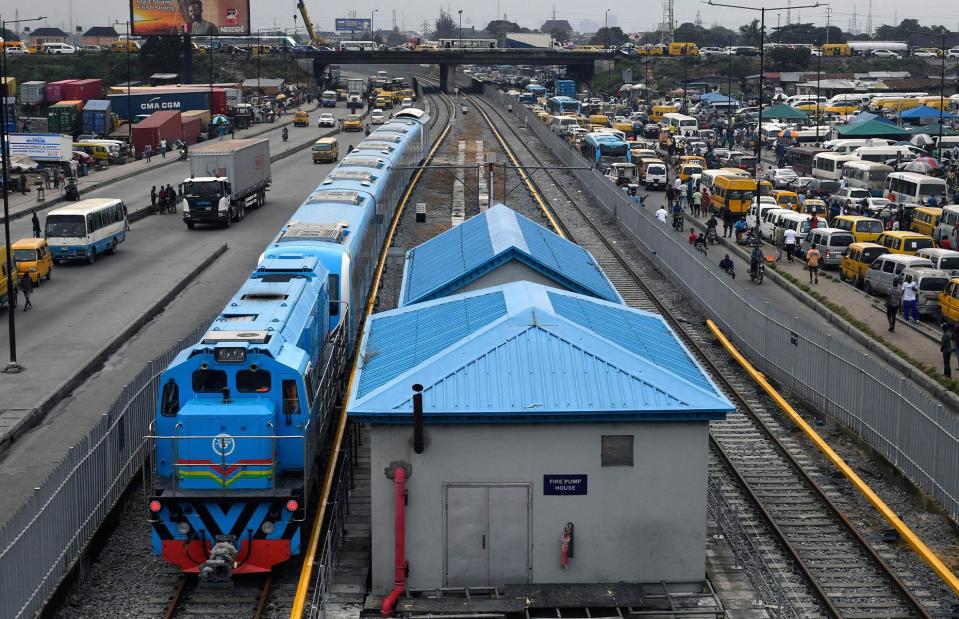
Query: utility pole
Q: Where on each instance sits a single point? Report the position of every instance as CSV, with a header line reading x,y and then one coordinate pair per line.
x,y
828,15
869,20
789,14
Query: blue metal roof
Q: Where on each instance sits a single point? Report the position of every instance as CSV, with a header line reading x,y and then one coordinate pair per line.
x,y
525,353
463,254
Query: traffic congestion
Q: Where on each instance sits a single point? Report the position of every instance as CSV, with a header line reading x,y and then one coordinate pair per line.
x,y
856,187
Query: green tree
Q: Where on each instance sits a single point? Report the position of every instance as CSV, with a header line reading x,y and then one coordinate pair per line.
x,y
446,27
751,33
789,59
721,36
613,36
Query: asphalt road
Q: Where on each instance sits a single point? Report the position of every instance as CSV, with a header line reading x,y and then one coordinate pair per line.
x,y
84,306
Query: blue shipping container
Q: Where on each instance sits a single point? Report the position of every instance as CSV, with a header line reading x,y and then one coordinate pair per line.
x,y
96,117
147,103
566,88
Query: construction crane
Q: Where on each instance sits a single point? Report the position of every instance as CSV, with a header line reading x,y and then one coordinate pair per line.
x,y
314,40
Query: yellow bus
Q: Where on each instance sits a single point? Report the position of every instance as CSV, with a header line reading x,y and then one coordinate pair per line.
x,y
651,49
836,49
683,49
734,192
656,115
925,219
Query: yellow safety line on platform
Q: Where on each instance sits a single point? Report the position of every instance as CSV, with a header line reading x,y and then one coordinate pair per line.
x,y
924,552
306,572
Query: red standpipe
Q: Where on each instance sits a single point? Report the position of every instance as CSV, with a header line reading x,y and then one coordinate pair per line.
x,y
399,582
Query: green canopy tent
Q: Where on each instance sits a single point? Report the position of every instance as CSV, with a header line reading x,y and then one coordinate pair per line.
x,y
873,129
784,112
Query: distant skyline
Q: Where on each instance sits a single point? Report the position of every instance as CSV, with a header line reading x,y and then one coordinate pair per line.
x,y
639,16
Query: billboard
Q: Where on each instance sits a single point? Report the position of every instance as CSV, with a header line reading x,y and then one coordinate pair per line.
x,y
41,146
353,24
197,17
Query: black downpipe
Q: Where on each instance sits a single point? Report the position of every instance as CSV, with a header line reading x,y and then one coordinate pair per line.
x,y
418,446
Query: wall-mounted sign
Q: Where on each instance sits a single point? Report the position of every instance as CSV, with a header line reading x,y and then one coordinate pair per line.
x,y
564,484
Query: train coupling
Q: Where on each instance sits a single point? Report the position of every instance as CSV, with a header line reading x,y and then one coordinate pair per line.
x,y
217,571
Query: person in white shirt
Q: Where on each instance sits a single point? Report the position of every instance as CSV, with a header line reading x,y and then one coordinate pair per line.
x,y
661,214
910,303
677,184
789,240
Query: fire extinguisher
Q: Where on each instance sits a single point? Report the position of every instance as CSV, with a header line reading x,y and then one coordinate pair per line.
x,y
566,546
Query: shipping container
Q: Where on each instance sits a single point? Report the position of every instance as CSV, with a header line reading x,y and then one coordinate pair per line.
x,y
169,99
8,87
163,125
190,131
33,93
55,91
531,39
83,90
62,117
97,117
203,115
566,88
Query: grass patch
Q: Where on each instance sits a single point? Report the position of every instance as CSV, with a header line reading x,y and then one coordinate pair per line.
x,y
949,383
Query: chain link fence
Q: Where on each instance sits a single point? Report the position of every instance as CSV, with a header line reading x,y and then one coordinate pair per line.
x,y
898,418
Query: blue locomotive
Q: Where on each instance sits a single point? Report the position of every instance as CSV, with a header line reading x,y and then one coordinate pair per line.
x,y
241,416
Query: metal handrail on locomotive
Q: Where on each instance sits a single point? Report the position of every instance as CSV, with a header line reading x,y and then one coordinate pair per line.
x,y
242,415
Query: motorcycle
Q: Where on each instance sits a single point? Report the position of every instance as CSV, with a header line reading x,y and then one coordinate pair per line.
x,y
679,222
758,272
752,238
71,191
183,155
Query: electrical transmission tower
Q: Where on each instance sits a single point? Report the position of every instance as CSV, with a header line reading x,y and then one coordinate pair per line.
x,y
668,24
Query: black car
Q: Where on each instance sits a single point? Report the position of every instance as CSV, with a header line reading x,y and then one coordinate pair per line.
x,y
651,131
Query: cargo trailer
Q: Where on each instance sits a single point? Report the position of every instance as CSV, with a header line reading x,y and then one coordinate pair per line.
x,y
226,178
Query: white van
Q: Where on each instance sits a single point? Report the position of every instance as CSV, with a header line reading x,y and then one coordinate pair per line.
x,y
942,259
829,165
770,220
58,48
561,124
800,222
883,273
882,154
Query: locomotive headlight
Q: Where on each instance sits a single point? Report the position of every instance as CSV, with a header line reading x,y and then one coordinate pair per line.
x,y
183,527
267,527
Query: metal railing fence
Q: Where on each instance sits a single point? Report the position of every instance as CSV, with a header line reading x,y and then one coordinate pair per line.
x,y
898,418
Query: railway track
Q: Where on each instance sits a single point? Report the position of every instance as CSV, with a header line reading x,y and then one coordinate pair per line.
x,y
247,598
823,565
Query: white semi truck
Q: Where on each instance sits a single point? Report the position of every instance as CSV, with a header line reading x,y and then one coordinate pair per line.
x,y
226,178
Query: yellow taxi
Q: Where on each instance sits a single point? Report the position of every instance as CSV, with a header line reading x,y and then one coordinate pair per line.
x,y
301,119
693,159
689,169
905,242
32,257
856,260
326,150
786,199
863,229
353,123
949,302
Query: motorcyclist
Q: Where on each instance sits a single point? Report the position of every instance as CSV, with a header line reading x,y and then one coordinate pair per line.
x,y
711,224
701,242
726,264
755,259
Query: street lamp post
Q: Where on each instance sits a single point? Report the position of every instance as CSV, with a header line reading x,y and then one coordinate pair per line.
x,y
685,105
729,87
942,92
373,12
13,366
762,63
461,27
609,68
818,84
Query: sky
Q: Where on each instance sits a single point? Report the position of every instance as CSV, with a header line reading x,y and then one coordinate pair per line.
x,y
631,15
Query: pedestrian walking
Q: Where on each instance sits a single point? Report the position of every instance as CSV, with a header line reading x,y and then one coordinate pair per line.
x,y
153,197
683,197
26,287
812,263
727,220
661,214
61,181
740,229
893,302
23,183
163,149
697,204
48,178
162,199
73,167
910,302
232,132
148,152
789,242
945,346
36,225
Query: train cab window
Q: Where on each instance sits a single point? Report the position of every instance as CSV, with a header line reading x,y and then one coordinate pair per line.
x,y
291,398
253,381
333,283
170,399
209,381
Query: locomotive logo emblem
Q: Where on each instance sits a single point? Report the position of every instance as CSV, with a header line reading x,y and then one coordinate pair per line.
x,y
223,444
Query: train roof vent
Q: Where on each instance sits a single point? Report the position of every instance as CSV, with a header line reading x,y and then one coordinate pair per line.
x,y
332,233
359,176
338,196
384,147
265,296
250,337
279,278
364,162
384,136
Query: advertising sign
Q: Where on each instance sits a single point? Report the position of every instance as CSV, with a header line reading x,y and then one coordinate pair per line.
x,y
197,17
41,146
564,485
353,24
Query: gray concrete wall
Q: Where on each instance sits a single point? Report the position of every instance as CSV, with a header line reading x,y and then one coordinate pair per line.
x,y
512,271
636,524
